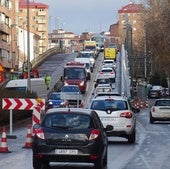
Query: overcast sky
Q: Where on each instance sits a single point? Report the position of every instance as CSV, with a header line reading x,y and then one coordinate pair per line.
x,y
80,16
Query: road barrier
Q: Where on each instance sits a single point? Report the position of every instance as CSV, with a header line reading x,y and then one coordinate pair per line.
x,y
4,147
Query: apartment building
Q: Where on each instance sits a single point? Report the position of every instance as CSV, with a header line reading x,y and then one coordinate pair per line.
x,y
38,21
64,40
131,14
8,32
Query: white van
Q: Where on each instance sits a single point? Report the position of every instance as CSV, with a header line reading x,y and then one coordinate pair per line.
x,y
37,85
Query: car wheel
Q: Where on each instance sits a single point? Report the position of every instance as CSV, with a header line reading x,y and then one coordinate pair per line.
x,y
132,137
98,164
151,119
39,164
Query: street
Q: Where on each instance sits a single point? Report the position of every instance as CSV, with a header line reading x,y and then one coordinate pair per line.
x,y
149,152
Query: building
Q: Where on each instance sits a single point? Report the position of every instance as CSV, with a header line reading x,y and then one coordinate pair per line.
x,y
64,40
38,21
8,32
114,33
130,14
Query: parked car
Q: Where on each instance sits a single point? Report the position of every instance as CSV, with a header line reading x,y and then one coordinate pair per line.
x,y
70,135
54,100
160,111
116,111
156,91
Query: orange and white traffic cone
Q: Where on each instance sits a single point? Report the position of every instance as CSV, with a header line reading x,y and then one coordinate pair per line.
x,y
4,147
28,143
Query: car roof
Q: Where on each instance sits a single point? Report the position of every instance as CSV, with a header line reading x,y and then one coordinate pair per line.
x,y
71,110
110,97
107,94
87,51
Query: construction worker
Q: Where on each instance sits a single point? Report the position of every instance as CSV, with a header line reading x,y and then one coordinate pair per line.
x,y
47,81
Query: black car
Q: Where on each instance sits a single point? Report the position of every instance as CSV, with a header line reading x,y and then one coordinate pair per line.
x,y
70,135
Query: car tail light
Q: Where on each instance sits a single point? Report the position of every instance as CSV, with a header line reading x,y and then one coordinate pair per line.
x,y
94,134
153,109
40,133
126,114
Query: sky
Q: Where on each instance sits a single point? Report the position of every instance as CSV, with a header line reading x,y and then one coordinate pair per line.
x,y
79,16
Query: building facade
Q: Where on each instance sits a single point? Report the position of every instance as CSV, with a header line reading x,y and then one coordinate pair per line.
x,y
8,33
130,15
38,21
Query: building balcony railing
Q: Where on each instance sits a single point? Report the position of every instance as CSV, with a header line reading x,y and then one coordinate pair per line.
x,y
42,13
4,28
4,45
41,21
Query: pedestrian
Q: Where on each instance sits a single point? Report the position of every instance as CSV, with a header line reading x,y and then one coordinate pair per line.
x,y
47,81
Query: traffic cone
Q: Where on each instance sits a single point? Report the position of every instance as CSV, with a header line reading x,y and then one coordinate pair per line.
x,y
28,143
4,147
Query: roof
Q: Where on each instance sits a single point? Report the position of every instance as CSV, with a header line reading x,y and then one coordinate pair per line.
x,y
131,8
74,110
23,4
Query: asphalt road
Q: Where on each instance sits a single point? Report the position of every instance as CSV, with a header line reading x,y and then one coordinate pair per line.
x,y
151,150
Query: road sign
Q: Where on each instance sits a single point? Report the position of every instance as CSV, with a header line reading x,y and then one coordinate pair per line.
x,y
22,103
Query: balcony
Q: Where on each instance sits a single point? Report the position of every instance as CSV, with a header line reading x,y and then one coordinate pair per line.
x,y
4,45
42,13
41,21
4,28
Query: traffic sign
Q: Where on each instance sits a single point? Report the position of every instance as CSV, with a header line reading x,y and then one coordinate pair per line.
x,y
22,104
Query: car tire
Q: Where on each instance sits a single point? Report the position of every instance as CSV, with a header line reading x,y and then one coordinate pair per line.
x,y
99,164
151,119
39,164
132,137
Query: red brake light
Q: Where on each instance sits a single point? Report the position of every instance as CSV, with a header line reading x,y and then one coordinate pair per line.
x,y
40,133
153,109
94,134
126,114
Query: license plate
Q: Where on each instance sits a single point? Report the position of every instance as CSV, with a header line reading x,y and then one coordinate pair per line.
x,y
66,151
109,119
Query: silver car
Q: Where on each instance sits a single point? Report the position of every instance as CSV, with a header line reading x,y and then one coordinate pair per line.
x,y
116,112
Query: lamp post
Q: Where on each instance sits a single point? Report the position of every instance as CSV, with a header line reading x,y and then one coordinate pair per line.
x,y
28,48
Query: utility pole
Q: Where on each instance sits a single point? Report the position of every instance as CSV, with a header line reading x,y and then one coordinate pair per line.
x,y
28,48
129,48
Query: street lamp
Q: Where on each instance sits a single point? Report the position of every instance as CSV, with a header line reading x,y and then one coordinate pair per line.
x,y
28,47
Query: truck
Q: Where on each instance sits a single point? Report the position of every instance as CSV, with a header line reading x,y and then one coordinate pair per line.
x,y
110,53
75,74
90,45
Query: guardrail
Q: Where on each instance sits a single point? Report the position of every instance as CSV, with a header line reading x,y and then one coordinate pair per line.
x,y
44,55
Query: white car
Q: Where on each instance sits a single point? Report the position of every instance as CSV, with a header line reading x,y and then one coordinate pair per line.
x,y
88,54
102,88
108,72
160,111
109,63
116,112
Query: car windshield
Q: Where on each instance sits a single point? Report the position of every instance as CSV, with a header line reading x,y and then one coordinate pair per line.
x,y
67,120
74,73
109,104
162,103
70,89
55,96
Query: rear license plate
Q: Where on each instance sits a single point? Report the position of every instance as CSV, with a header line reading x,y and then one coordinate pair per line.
x,y
107,119
66,151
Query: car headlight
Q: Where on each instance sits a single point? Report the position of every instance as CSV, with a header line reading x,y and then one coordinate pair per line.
x,y
50,103
82,83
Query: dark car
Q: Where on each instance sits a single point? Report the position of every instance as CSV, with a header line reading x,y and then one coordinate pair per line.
x,y
54,100
70,135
